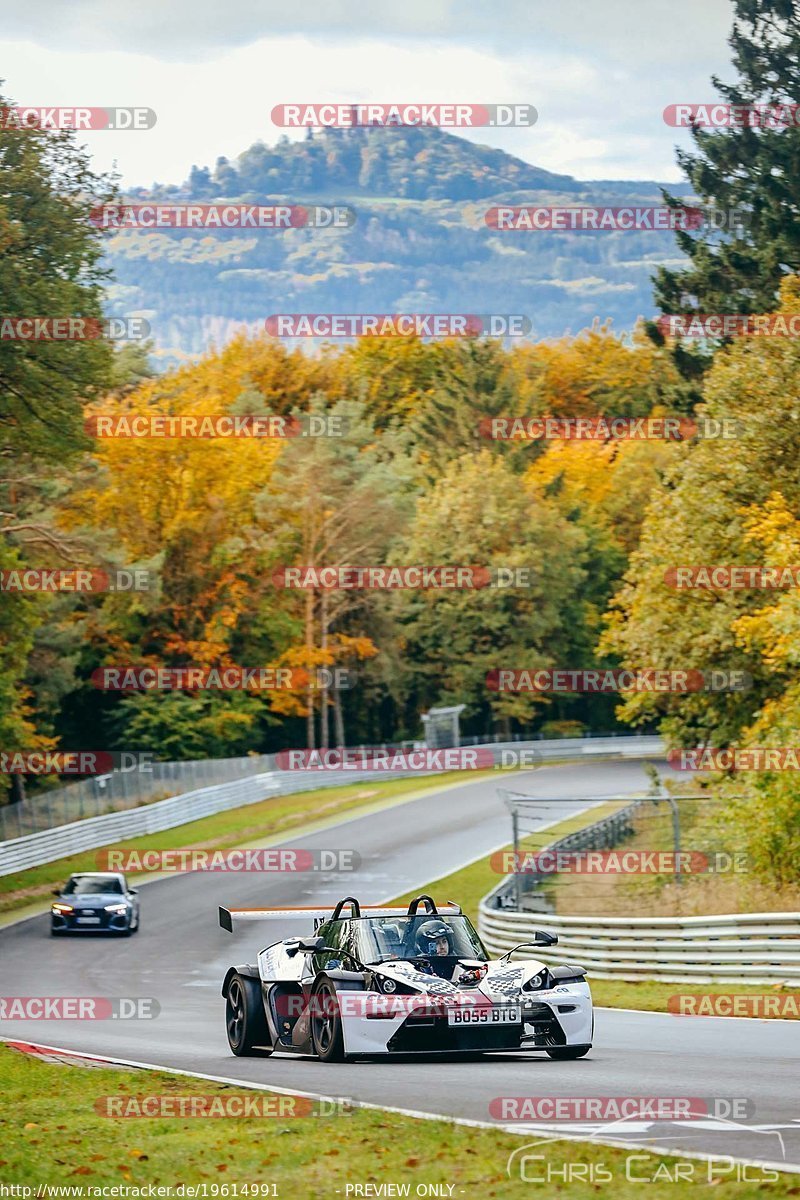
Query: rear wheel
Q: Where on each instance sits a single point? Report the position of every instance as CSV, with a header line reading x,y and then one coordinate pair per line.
x,y
245,1020
565,1052
326,1024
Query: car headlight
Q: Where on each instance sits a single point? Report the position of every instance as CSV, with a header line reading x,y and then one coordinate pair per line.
x,y
392,987
119,909
62,908
535,982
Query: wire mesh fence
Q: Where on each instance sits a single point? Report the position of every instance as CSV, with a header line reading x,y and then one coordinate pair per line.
x,y
662,853
120,790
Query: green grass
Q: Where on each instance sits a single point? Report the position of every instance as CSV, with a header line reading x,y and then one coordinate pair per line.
x,y
265,819
651,995
51,1133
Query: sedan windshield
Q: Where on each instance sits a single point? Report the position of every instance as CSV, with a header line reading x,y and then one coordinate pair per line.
x,y
93,885
381,939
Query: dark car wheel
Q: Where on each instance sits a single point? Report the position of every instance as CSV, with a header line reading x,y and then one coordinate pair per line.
x,y
563,1052
245,1020
326,1024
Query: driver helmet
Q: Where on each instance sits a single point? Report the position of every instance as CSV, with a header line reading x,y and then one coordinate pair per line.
x,y
428,936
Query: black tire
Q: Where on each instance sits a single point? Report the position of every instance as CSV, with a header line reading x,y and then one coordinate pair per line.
x,y
245,1020
566,1052
327,1037
56,932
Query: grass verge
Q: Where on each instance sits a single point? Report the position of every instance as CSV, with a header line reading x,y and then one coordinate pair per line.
x,y
67,1142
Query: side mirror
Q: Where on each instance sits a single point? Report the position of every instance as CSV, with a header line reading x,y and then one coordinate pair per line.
x,y
542,938
307,945
133,891
313,945
56,891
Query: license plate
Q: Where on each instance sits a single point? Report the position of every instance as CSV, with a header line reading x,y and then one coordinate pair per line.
x,y
88,920
483,1016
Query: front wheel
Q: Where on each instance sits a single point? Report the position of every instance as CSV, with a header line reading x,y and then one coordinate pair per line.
x,y
245,1020
326,1024
566,1052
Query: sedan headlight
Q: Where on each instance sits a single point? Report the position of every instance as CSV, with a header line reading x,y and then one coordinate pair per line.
x,y
62,908
119,909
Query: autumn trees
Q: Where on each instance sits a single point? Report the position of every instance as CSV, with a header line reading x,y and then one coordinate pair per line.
x,y
410,477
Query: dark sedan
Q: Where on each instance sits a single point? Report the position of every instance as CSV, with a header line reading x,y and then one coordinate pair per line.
x,y
97,902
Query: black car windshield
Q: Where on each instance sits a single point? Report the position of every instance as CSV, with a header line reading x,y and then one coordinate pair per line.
x,y
381,939
93,885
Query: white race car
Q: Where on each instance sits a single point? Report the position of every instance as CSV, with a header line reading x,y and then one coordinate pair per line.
x,y
375,981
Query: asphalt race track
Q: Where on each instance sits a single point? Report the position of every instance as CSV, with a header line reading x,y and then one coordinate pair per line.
x,y
180,955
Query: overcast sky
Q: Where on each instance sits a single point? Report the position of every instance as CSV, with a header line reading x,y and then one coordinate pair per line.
x,y
600,72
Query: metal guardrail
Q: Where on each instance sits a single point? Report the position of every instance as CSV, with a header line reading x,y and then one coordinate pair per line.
x,y
37,848
732,948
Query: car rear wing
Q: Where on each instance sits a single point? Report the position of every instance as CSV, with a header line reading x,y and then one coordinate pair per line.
x,y
227,916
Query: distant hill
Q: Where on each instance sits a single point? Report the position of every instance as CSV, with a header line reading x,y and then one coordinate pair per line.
x,y
419,243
